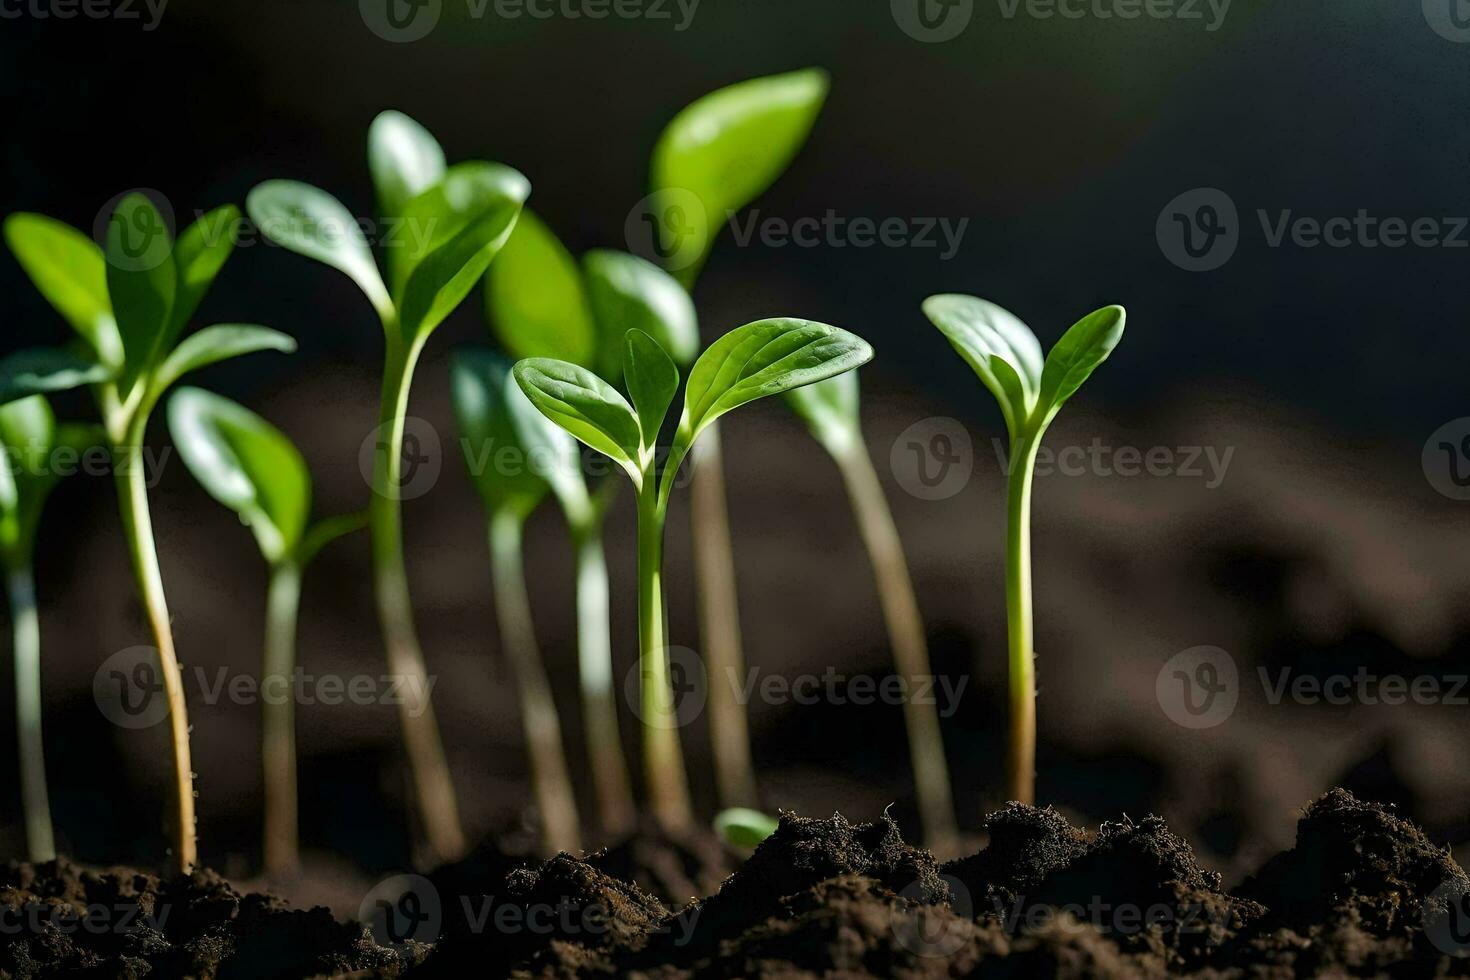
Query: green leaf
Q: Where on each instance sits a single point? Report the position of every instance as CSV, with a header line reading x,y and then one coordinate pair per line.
x,y
327,530
1082,348
586,406
742,827
728,147
498,462
313,223
199,256
404,158
535,300
764,358
32,442
998,347
245,463
467,217
142,281
830,410
553,454
652,381
38,370
629,293
214,344
71,272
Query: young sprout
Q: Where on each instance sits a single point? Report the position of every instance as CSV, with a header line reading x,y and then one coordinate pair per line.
x,y
764,358
830,411
718,155
490,429
250,466
450,223
30,439
1006,355
540,304
743,828
130,305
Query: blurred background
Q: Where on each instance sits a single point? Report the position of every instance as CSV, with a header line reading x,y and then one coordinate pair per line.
x,y
1048,149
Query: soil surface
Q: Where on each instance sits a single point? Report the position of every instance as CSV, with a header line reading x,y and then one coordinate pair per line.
x,y
1362,893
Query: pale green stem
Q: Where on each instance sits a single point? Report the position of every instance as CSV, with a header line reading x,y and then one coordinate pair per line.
x,y
663,761
719,621
21,586
132,488
427,764
278,719
616,810
1021,756
910,648
549,778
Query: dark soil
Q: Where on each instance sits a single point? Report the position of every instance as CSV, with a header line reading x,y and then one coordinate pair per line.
x,y
1362,893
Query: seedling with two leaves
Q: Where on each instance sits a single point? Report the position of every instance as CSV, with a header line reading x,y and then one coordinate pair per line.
x,y
453,219
1030,390
129,304
252,468
767,357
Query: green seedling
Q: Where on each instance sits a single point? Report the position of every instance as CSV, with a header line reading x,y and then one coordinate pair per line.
x,y
743,828
1030,391
541,304
250,466
450,221
830,410
718,155
129,304
495,420
764,358
32,441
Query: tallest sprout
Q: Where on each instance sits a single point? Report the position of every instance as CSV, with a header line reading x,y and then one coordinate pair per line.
x,y
1006,355
442,226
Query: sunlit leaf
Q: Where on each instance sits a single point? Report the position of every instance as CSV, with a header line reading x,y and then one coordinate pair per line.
x,y
535,299
71,272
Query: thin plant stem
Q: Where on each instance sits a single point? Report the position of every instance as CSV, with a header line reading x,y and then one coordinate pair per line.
x,y
132,487
427,764
719,621
549,779
910,648
21,588
616,811
1021,755
278,720
663,761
